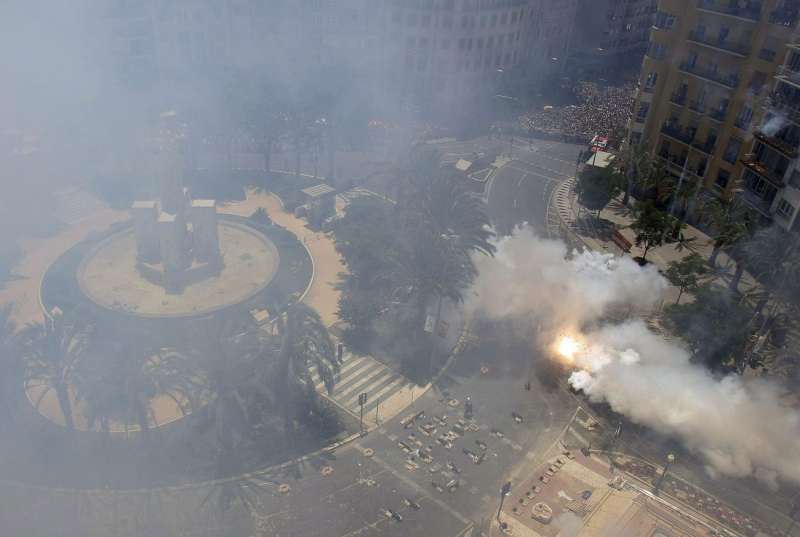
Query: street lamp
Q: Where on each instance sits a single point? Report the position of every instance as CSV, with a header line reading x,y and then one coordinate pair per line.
x,y
670,461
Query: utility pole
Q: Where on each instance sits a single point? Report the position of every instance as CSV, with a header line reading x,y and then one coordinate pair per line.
x,y
505,491
362,400
670,461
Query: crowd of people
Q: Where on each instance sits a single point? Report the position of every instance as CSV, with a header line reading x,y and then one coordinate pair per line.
x,y
601,110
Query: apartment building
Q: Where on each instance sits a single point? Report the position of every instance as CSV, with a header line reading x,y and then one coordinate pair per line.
x,y
771,176
704,79
612,33
444,48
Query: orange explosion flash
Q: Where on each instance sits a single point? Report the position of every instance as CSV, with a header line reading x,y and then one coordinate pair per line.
x,y
567,347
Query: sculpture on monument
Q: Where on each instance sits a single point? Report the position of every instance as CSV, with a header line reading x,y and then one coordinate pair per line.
x,y
177,240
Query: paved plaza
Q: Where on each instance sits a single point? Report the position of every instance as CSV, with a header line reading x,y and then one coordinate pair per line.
x,y
111,278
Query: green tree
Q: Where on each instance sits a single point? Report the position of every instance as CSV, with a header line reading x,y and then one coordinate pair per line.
x,y
596,187
118,379
443,224
657,183
730,222
229,353
49,352
773,257
633,164
10,364
304,344
259,107
651,226
713,326
686,273
367,240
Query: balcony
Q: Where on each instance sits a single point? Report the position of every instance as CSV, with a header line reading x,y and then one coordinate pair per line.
x,y
756,201
673,161
678,98
788,75
697,107
751,12
790,109
767,55
706,147
738,49
788,149
718,114
750,160
784,17
729,81
676,132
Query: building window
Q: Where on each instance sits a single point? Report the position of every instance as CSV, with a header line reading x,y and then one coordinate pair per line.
x,y
426,21
665,21
785,209
723,177
445,44
644,108
650,81
447,22
412,19
493,22
744,117
732,151
504,18
483,21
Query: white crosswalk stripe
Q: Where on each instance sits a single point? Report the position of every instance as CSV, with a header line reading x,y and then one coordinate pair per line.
x,y
362,374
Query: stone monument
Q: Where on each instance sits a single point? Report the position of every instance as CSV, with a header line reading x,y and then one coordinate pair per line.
x,y
177,240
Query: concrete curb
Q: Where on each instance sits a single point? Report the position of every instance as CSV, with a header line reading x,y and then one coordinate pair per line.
x,y
311,257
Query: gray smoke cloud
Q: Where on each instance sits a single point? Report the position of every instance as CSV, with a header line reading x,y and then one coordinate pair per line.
x,y
738,425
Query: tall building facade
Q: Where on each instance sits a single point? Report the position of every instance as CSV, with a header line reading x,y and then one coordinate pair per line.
x,y
435,47
612,33
770,181
704,79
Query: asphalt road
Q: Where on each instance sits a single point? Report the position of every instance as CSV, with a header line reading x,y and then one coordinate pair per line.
x,y
354,499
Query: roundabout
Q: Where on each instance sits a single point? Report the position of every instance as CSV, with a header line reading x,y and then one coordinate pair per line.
x,y
111,278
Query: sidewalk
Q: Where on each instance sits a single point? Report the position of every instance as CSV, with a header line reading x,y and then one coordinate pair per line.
x,y
584,228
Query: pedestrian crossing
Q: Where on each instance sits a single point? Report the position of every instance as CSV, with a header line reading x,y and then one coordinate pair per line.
x,y
362,374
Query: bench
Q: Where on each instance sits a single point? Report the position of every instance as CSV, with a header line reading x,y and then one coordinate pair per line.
x,y
624,244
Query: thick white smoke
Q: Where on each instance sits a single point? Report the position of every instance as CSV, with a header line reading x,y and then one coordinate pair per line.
x,y
738,425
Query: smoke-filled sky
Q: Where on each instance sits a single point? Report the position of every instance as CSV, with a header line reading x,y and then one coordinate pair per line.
x,y
739,426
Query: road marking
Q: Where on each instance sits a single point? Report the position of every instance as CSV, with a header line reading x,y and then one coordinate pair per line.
x,y
521,179
413,484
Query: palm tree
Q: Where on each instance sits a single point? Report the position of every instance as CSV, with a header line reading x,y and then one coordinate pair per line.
x,y
9,349
118,383
446,226
49,351
304,344
730,221
634,163
227,353
773,256
658,181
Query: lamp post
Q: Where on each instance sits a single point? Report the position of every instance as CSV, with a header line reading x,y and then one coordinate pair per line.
x,y
670,461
